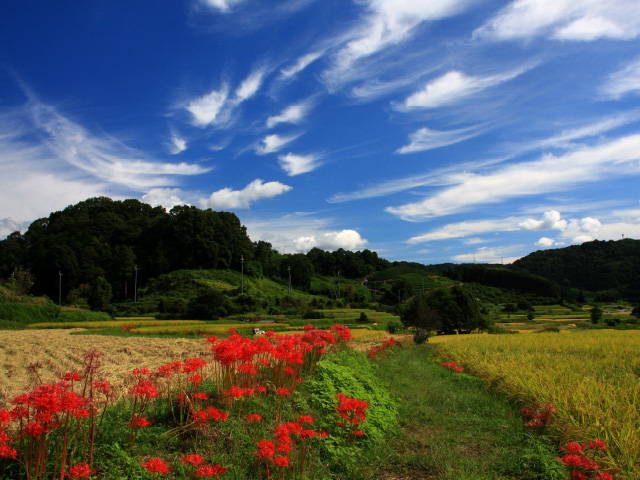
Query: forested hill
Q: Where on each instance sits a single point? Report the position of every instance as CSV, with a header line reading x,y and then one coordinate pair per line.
x,y
105,239
609,267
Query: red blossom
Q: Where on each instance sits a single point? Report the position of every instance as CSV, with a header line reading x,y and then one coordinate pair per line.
x,y
280,462
155,466
193,459
80,470
209,471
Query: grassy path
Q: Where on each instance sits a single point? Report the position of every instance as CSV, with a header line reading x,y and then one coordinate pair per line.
x,y
452,428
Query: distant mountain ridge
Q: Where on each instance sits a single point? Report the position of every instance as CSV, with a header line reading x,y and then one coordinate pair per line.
x,y
595,266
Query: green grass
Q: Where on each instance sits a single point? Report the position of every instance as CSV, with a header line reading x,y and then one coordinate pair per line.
x,y
452,428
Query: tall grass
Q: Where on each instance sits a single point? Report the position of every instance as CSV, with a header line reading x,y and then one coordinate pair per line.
x,y
592,379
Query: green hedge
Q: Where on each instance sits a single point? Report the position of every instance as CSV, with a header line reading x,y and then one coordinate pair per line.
x,y
17,315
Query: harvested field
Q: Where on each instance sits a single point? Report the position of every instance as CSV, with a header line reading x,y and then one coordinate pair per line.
x,y
57,352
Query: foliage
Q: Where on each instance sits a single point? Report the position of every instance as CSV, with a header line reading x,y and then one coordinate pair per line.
x,y
394,327
422,335
596,314
445,309
593,266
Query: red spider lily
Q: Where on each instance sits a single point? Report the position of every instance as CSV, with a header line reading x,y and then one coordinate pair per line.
x,y
103,387
281,392
580,466
155,466
192,459
140,422
193,365
254,417
209,471
7,452
80,470
140,372
575,448
280,462
266,449
305,419
144,389
217,415
72,377
196,379
597,444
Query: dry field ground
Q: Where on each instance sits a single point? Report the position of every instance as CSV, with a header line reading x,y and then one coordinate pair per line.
x,y
58,352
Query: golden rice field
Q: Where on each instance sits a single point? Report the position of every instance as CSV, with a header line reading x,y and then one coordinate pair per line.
x,y
115,323
592,378
58,352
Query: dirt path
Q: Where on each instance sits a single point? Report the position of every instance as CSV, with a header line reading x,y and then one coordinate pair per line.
x,y
57,352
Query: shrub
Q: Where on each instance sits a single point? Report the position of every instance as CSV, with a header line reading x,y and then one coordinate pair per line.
x,y
395,326
422,335
363,318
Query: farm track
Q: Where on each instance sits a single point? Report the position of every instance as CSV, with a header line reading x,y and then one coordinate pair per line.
x,y
58,352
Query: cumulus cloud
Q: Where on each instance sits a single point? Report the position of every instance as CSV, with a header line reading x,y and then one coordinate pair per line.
x,y
544,242
302,231
164,197
291,114
548,174
623,81
346,239
582,230
585,20
453,87
235,199
296,164
428,139
273,143
551,220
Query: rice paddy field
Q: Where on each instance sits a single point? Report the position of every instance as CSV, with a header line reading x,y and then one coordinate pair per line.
x,y
58,351
592,378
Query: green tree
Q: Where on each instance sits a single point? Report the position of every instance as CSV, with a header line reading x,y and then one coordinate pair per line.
x,y
99,294
301,270
596,315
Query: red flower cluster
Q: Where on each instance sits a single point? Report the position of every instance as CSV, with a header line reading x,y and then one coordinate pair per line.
x,y
581,467
382,351
81,470
126,328
155,466
453,366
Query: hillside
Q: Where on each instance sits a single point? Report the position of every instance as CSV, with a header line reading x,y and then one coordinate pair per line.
x,y
609,267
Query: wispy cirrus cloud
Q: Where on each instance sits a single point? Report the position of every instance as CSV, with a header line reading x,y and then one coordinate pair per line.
x,y
291,114
217,107
237,199
177,143
223,6
453,87
586,20
467,229
549,174
273,143
624,81
386,23
297,164
506,254
302,63
428,139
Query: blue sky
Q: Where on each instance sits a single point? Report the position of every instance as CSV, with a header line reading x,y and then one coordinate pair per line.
x,y
431,131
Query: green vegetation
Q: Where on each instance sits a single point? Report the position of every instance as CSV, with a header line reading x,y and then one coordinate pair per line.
x,y
452,428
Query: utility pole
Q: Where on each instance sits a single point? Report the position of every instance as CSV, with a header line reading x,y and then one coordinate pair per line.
x,y
242,271
338,283
135,287
290,292
59,288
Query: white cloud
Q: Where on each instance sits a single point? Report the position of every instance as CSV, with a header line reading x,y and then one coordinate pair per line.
x,y
490,255
624,81
428,139
8,226
235,199
291,114
549,174
223,6
582,230
453,87
584,20
296,164
466,229
347,239
302,63
178,144
300,232
250,86
273,143
544,242
550,221
206,110
388,23
164,197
